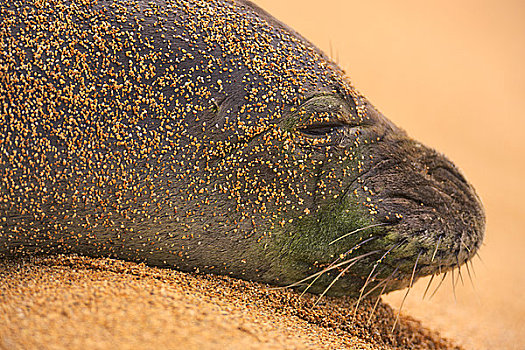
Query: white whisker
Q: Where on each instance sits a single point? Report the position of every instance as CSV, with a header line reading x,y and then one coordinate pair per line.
x,y
439,285
436,250
370,274
379,297
428,285
335,280
408,291
355,231
331,268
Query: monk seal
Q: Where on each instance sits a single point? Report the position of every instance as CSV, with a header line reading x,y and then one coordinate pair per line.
x,y
208,136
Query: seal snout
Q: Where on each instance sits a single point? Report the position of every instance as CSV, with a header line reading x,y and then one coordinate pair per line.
x,y
428,202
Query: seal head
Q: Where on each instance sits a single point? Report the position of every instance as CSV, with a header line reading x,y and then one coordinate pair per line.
x,y
207,136
405,209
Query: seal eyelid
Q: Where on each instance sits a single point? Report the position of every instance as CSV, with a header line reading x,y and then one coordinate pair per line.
x,y
322,114
321,129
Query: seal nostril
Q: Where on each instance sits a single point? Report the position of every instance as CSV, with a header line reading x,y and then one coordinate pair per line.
x,y
404,201
448,173
406,197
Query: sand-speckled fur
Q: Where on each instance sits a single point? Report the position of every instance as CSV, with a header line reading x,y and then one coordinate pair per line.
x,y
206,135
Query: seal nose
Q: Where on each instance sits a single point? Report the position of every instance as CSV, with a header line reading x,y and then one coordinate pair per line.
x,y
464,208
455,211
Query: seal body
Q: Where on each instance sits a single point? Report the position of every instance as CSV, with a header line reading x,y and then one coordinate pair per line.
x,y
206,135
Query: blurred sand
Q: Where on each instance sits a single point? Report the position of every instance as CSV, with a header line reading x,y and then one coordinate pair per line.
x,y
452,74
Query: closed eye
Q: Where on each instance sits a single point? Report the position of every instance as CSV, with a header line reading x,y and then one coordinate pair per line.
x,y
320,129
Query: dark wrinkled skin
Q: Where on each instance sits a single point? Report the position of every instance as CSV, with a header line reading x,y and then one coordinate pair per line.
x,y
207,136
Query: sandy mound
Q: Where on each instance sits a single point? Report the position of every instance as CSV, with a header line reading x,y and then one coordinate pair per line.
x,y
78,303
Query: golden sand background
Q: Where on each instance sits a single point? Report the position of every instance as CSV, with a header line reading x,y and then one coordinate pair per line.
x,y
451,73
